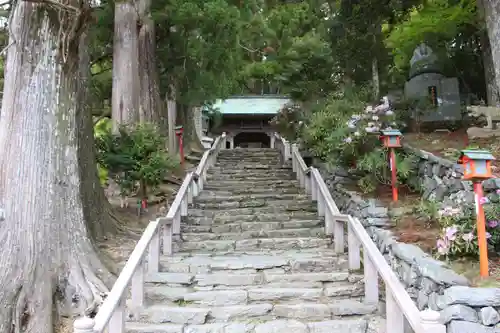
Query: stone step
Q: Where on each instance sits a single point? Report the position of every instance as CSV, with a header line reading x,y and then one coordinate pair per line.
x,y
207,314
351,325
252,234
253,226
240,167
248,156
250,262
207,190
217,197
238,184
334,283
224,295
262,177
238,215
260,205
254,244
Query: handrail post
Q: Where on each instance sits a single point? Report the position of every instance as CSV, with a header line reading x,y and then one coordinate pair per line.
x,y
167,238
184,206
394,316
176,225
431,322
307,182
83,325
154,253
314,186
138,286
117,321
328,221
338,235
190,192
371,279
354,248
286,148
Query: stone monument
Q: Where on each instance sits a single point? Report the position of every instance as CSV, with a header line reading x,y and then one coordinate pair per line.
x,y
427,81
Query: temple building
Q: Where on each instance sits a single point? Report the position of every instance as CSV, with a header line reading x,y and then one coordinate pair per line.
x,y
245,119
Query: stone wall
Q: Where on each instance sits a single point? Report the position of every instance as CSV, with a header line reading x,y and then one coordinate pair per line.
x,y
429,282
441,180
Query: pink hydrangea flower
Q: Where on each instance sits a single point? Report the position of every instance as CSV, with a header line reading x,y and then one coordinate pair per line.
x,y
442,247
493,224
483,200
451,233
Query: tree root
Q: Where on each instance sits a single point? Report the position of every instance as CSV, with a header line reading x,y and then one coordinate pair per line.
x,y
40,296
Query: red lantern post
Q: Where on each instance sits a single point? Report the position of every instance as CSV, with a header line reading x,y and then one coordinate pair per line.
x,y
391,140
178,132
477,167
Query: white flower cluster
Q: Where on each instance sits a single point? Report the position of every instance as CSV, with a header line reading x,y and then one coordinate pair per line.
x,y
373,115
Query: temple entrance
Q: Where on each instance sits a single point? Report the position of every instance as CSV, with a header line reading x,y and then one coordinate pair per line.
x,y
252,140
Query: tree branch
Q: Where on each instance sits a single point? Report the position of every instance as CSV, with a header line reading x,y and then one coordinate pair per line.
x,y
56,4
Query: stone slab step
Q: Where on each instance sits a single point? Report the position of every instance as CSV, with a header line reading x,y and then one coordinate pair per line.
x,y
278,183
356,325
217,197
248,278
248,295
253,226
284,261
239,215
241,167
250,177
255,244
251,234
189,315
251,190
285,204
277,172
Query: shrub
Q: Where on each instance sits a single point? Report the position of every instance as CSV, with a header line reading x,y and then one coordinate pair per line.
x,y
289,121
340,132
459,230
135,158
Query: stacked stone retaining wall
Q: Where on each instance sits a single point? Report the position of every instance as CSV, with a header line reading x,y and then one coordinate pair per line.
x,y
430,283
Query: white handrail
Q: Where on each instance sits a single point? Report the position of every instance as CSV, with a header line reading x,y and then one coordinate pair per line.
x,y
399,305
111,314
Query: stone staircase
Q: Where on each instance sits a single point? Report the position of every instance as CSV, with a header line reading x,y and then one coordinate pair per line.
x,y
253,258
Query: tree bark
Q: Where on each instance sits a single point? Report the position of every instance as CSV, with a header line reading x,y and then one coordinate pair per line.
x,y
190,137
492,93
492,15
151,108
172,119
125,95
48,257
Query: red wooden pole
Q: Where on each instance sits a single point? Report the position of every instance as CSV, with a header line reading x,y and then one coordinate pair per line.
x,y
481,231
181,149
394,175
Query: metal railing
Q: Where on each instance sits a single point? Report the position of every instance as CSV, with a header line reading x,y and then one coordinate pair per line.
x,y
401,311
111,314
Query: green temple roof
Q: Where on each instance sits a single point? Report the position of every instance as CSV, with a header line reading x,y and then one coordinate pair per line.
x,y
265,105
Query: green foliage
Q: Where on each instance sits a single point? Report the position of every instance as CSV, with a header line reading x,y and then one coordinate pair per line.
x,y
289,121
459,230
340,132
135,158
449,27
374,164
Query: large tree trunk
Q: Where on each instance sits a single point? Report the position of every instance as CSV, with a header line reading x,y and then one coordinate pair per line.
x,y
125,96
190,137
492,18
492,93
48,255
151,108
172,118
